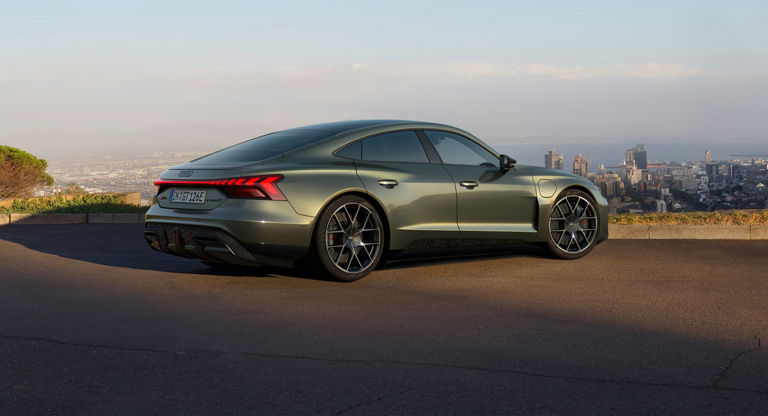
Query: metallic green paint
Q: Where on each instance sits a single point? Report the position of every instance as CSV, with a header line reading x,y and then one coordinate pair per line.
x,y
252,221
421,205
501,205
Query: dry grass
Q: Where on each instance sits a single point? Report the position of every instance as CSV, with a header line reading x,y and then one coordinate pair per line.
x,y
736,217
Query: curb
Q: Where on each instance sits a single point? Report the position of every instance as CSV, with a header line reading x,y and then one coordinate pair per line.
x,y
687,232
92,218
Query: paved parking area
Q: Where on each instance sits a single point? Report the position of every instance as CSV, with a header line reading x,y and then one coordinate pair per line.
x,y
94,322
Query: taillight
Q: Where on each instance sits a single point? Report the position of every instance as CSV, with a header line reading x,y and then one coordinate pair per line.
x,y
258,187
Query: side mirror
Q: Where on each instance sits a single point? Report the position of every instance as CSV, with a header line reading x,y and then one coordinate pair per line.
x,y
506,163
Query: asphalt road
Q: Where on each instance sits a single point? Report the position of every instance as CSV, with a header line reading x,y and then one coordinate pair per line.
x,y
94,322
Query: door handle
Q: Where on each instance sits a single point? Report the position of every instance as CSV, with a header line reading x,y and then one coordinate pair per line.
x,y
469,184
388,183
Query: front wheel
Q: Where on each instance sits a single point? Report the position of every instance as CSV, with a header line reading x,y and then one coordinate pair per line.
x,y
573,225
349,238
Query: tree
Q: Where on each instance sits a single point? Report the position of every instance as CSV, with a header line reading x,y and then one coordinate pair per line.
x,y
21,173
74,189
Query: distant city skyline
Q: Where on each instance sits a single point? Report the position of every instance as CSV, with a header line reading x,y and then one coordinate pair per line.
x,y
108,77
613,153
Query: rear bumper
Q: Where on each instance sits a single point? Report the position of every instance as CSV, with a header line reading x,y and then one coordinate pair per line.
x,y
245,232
210,244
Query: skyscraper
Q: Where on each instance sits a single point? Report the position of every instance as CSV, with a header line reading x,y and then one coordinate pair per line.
x,y
713,171
639,156
553,160
581,166
707,157
629,158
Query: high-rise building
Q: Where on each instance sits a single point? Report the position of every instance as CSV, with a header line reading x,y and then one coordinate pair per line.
x,y
629,158
610,185
707,157
634,176
713,170
553,160
639,156
581,166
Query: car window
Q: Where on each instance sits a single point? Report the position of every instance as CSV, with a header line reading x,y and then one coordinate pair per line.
x,y
399,146
265,146
351,151
459,150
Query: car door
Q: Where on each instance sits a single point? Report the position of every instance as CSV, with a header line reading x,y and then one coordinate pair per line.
x,y
419,196
491,203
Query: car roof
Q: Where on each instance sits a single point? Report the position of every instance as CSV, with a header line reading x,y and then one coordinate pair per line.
x,y
337,127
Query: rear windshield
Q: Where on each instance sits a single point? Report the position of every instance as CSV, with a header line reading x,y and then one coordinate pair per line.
x,y
265,146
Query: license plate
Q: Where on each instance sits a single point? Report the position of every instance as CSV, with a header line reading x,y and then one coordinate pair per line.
x,y
187,196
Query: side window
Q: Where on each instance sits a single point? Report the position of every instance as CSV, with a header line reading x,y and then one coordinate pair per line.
x,y
350,151
459,150
400,146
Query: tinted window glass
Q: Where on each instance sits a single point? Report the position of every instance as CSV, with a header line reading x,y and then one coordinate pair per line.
x,y
265,146
459,150
352,151
400,146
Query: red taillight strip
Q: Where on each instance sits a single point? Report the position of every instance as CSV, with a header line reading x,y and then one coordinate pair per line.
x,y
265,184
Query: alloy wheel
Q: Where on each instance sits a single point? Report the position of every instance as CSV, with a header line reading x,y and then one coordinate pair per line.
x,y
353,237
573,224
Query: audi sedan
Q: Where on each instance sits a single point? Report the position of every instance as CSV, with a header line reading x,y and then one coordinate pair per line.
x,y
341,197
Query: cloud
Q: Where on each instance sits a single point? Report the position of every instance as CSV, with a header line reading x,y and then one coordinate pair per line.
x,y
649,70
453,72
465,72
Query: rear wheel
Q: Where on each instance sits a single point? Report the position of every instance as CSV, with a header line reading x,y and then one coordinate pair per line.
x,y
349,238
573,225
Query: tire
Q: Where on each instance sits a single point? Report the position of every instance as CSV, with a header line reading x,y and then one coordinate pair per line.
x,y
349,239
573,225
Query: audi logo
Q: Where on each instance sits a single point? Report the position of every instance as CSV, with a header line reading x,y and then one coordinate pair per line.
x,y
186,173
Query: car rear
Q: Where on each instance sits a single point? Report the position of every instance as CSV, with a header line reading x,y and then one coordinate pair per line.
x,y
221,209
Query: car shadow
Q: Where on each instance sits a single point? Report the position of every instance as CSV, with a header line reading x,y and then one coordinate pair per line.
x,y
464,255
123,245
117,245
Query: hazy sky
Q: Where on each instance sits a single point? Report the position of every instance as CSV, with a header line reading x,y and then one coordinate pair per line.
x,y
134,76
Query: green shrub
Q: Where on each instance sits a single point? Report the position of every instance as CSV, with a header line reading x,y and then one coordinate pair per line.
x,y
85,203
736,217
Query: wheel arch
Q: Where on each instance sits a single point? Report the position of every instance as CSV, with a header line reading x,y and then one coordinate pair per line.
x,y
368,197
579,187
601,219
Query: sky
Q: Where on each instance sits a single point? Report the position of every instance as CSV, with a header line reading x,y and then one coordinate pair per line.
x,y
135,77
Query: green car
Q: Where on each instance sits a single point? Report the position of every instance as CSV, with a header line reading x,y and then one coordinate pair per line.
x,y
343,196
